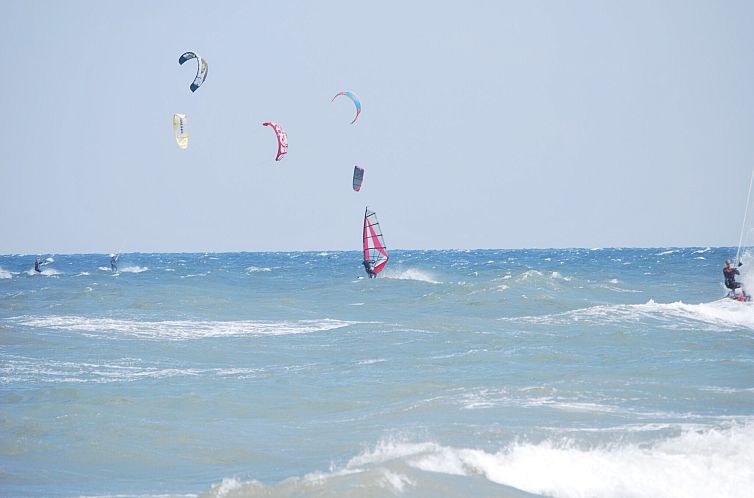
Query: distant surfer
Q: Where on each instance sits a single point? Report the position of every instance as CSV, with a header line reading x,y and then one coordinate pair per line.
x,y
730,279
114,262
37,264
368,267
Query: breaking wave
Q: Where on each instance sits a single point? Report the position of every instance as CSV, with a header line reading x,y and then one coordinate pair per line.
x,y
134,269
721,313
410,274
695,463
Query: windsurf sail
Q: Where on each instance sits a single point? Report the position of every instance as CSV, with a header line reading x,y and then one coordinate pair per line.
x,y
358,178
180,130
282,139
375,251
201,70
355,101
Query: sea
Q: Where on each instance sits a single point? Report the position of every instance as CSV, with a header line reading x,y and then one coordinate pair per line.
x,y
567,373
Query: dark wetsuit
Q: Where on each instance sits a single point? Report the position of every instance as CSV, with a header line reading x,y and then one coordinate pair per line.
x,y
730,278
368,267
114,263
37,262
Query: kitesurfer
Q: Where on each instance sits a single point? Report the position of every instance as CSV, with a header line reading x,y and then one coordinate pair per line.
x,y
368,267
730,278
114,262
37,263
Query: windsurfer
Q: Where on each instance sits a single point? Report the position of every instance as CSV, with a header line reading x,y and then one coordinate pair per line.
x,y
368,267
730,278
114,262
37,264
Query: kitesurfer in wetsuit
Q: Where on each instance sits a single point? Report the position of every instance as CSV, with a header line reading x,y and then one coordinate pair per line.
x,y
368,267
114,263
730,277
37,263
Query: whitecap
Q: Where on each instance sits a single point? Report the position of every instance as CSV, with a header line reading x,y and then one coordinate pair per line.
x,y
134,269
410,274
254,269
47,272
722,313
705,458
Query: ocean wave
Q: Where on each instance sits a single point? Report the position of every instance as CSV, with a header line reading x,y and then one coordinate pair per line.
x,y
47,272
693,464
25,370
410,274
133,269
5,274
723,313
254,269
179,329
696,463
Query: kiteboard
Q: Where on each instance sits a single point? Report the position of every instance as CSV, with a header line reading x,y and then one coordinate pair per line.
x,y
738,296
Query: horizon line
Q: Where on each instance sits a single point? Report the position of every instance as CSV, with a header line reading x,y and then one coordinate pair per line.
x,y
359,250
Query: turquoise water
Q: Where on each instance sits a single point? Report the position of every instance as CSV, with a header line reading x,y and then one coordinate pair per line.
x,y
566,373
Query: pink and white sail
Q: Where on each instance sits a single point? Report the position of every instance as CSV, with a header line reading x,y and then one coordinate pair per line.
x,y
375,251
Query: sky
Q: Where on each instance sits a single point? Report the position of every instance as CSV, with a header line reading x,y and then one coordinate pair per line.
x,y
485,124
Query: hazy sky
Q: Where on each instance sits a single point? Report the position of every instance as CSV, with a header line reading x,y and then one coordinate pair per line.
x,y
485,124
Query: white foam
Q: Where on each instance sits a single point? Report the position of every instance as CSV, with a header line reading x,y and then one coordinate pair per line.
x,y
227,485
665,253
180,329
254,269
31,370
410,274
48,272
5,274
134,269
695,464
394,482
103,268
529,274
721,313
371,362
